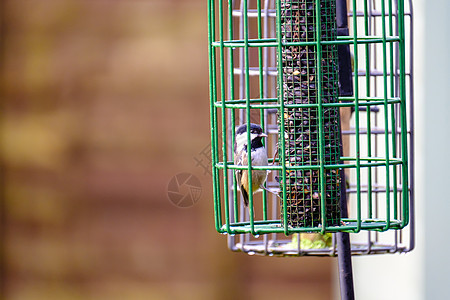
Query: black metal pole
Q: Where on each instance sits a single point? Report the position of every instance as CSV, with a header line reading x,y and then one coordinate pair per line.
x,y
344,250
344,56
343,241
345,267
345,89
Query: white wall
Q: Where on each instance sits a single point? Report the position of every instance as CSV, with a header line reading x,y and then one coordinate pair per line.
x,y
435,103
424,273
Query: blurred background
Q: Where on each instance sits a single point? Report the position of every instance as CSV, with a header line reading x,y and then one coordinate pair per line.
x,y
103,102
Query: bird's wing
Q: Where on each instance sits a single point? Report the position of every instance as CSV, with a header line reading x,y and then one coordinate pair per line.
x,y
239,161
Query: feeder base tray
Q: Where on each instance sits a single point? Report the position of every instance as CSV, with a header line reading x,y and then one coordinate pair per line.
x,y
275,226
288,248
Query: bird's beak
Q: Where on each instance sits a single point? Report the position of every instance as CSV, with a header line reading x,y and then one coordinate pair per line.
x,y
262,134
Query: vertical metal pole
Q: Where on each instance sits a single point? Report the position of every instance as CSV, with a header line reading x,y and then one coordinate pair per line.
x,y
344,56
343,246
346,89
345,258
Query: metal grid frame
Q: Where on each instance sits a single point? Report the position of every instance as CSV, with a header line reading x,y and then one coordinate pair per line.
x,y
235,98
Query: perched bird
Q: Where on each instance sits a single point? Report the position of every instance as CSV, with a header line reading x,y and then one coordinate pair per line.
x,y
258,155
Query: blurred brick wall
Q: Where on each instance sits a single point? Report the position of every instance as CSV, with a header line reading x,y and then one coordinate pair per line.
x,y
102,103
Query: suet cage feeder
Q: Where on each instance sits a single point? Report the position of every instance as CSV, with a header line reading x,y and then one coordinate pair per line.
x,y
333,90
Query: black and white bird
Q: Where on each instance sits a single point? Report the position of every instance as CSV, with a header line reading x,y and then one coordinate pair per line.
x,y
258,155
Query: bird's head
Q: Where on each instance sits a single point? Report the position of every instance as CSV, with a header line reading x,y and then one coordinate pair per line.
x,y
256,134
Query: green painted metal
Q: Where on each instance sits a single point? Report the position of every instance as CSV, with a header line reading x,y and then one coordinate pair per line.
x,y
253,101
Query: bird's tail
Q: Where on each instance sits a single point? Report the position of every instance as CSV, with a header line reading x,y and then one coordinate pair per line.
x,y
245,195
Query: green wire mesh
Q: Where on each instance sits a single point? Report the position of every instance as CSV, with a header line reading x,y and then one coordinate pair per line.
x,y
253,73
306,129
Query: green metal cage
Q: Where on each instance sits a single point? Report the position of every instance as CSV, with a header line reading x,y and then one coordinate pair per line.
x,y
276,63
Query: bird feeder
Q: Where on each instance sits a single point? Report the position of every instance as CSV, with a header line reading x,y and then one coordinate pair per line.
x,y
333,90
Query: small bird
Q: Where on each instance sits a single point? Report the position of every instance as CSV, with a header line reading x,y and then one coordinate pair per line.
x,y
258,155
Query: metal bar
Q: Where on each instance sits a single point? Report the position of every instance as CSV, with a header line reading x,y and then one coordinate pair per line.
x,y
345,266
404,138
343,238
375,13
373,29
345,68
248,116
394,78
212,95
320,113
234,208
385,110
262,94
231,130
340,40
357,103
411,135
272,71
254,13
223,115
243,239
281,97
368,112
